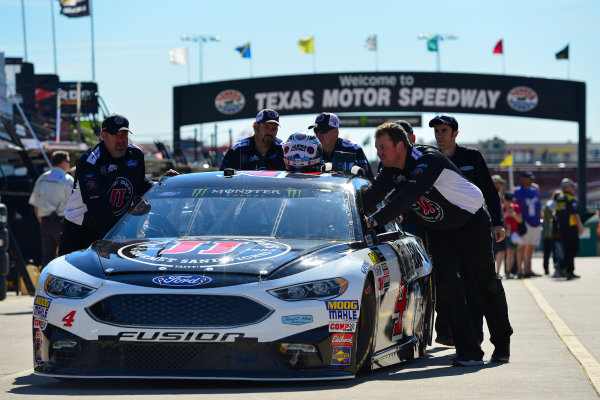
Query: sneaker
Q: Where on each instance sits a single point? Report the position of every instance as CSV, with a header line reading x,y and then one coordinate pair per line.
x,y
501,353
572,276
465,362
508,276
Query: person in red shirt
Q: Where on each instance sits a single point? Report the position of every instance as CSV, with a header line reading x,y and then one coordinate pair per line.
x,y
512,218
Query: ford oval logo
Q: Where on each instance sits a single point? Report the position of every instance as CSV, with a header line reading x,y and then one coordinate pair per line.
x,y
181,280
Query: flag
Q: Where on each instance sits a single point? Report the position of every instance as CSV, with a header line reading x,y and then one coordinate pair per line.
x,y
507,161
563,54
432,44
74,8
244,50
307,45
498,48
179,55
371,43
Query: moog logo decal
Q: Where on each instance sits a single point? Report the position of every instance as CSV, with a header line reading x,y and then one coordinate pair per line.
x,y
181,280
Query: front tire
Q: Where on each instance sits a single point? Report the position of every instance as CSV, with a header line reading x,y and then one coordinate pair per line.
x,y
366,328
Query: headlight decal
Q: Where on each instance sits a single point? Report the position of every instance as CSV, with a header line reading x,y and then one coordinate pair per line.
x,y
316,290
59,287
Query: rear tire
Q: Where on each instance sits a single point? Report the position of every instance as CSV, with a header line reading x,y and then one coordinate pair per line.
x,y
427,319
366,328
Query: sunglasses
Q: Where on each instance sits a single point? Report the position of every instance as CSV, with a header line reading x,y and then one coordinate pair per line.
x,y
322,131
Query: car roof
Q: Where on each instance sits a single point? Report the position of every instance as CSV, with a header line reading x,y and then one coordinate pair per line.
x,y
271,179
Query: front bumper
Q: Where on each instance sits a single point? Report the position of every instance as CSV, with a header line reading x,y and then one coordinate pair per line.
x,y
62,354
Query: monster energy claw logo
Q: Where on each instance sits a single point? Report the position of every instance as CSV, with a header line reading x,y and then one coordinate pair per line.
x,y
294,193
199,192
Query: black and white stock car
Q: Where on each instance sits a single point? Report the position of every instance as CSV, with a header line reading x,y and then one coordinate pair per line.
x,y
255,275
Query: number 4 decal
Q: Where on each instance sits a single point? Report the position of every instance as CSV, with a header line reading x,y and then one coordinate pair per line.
x,y
69,319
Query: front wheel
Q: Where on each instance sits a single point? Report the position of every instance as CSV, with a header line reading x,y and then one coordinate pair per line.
x,y
366,328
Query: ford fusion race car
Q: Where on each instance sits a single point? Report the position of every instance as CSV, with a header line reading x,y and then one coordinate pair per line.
x,y
244,275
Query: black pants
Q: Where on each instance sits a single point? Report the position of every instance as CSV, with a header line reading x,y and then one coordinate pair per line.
x,y
470,246
50,233
570,243
76,237
469,286
548,249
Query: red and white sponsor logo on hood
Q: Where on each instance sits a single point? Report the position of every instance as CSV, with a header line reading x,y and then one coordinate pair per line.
x,y
342,326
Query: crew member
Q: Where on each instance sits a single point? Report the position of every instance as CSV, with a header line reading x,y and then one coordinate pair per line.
x,y
49,199
108,177
326,127
420,178
261,151
472,165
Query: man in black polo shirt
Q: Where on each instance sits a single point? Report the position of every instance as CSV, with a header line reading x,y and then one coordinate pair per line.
x,y
422,180
109,176
261,151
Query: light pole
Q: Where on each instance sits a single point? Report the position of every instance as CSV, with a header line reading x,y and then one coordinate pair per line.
x,y
434,40
201,39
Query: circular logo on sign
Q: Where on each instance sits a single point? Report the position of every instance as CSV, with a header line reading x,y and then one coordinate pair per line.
x,y
120,195
428,210
199,254
230,102
522,99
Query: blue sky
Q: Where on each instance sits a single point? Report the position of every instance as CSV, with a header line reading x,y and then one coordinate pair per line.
x,y
135,77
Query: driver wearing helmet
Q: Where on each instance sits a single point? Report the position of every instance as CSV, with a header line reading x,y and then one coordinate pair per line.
x,y
302,152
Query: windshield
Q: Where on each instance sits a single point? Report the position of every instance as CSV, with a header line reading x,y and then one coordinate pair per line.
x,y
283,214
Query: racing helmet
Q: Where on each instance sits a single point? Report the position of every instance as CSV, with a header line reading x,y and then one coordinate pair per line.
x,y
302,152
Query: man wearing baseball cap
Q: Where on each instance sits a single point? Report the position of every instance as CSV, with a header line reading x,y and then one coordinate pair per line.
x,y
326,128
108,177
261,151
569,226
471,164
528,199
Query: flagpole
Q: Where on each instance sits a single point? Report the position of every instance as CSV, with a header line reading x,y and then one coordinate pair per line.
x,y
53,36
93,54
314,63
376,60
250,61
503,63
24,29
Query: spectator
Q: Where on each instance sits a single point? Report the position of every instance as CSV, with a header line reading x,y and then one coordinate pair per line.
x,y
549,222
49,199
512,218
569,225
528,199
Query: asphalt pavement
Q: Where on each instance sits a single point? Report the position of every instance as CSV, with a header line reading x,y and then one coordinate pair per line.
x,y
555,352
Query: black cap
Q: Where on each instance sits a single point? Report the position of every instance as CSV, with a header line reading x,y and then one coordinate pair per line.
x,y
115,123
508,196
406,126
444,119
268,115
527,174
326,120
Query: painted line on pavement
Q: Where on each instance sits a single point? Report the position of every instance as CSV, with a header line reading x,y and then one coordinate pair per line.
x,y
588,362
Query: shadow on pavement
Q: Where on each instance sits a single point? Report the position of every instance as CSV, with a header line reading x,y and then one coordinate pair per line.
x,y
429,367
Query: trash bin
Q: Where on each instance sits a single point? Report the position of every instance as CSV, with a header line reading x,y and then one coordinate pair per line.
x,y
588,242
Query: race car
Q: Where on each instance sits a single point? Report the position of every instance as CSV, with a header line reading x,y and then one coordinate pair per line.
x,y
252,275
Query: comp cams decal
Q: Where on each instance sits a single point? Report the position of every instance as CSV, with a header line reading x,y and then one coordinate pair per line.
x,y
342,326
190,254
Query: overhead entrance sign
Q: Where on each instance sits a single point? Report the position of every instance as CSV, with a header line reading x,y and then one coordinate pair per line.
x,y
385,92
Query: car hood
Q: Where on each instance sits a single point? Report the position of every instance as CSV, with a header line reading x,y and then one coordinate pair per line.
x,y
214,255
